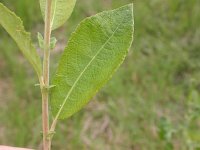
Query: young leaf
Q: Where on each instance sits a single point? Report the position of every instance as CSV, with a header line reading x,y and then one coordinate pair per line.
x,y
94,52
53,42
40,40
14,26
60,11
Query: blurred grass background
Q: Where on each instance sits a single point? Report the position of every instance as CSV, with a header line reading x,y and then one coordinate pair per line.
x,y
152,102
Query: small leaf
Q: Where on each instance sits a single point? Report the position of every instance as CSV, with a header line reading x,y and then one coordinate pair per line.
x,y
60,11
40,40
94,52
14,26
53,42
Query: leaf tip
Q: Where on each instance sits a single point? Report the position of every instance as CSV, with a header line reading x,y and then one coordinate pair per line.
x,y
130,7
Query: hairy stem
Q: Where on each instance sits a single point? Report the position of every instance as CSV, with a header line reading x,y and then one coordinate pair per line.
x,y
45,91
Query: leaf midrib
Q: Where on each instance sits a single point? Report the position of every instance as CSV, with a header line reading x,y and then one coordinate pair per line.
x,y
73,86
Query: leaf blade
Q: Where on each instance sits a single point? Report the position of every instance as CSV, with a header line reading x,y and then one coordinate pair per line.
x,y
95,50
14,26
61,11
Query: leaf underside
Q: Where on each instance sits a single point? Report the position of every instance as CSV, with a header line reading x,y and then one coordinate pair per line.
x,y
60,11
94,52
14,26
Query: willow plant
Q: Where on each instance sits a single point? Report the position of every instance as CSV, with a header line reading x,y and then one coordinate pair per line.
x,y
94,51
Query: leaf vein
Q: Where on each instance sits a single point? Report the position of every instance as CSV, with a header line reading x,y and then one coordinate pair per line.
x,y
73,86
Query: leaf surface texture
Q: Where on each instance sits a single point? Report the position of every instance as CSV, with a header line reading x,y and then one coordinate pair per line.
x,y
94,52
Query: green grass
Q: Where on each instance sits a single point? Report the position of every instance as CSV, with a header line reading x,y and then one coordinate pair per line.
x,y
152,102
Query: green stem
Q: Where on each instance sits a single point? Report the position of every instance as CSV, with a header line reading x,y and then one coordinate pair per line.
x,y
44,89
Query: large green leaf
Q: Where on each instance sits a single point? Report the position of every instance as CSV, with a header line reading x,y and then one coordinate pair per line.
x,y
60,11
14,26
95,50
